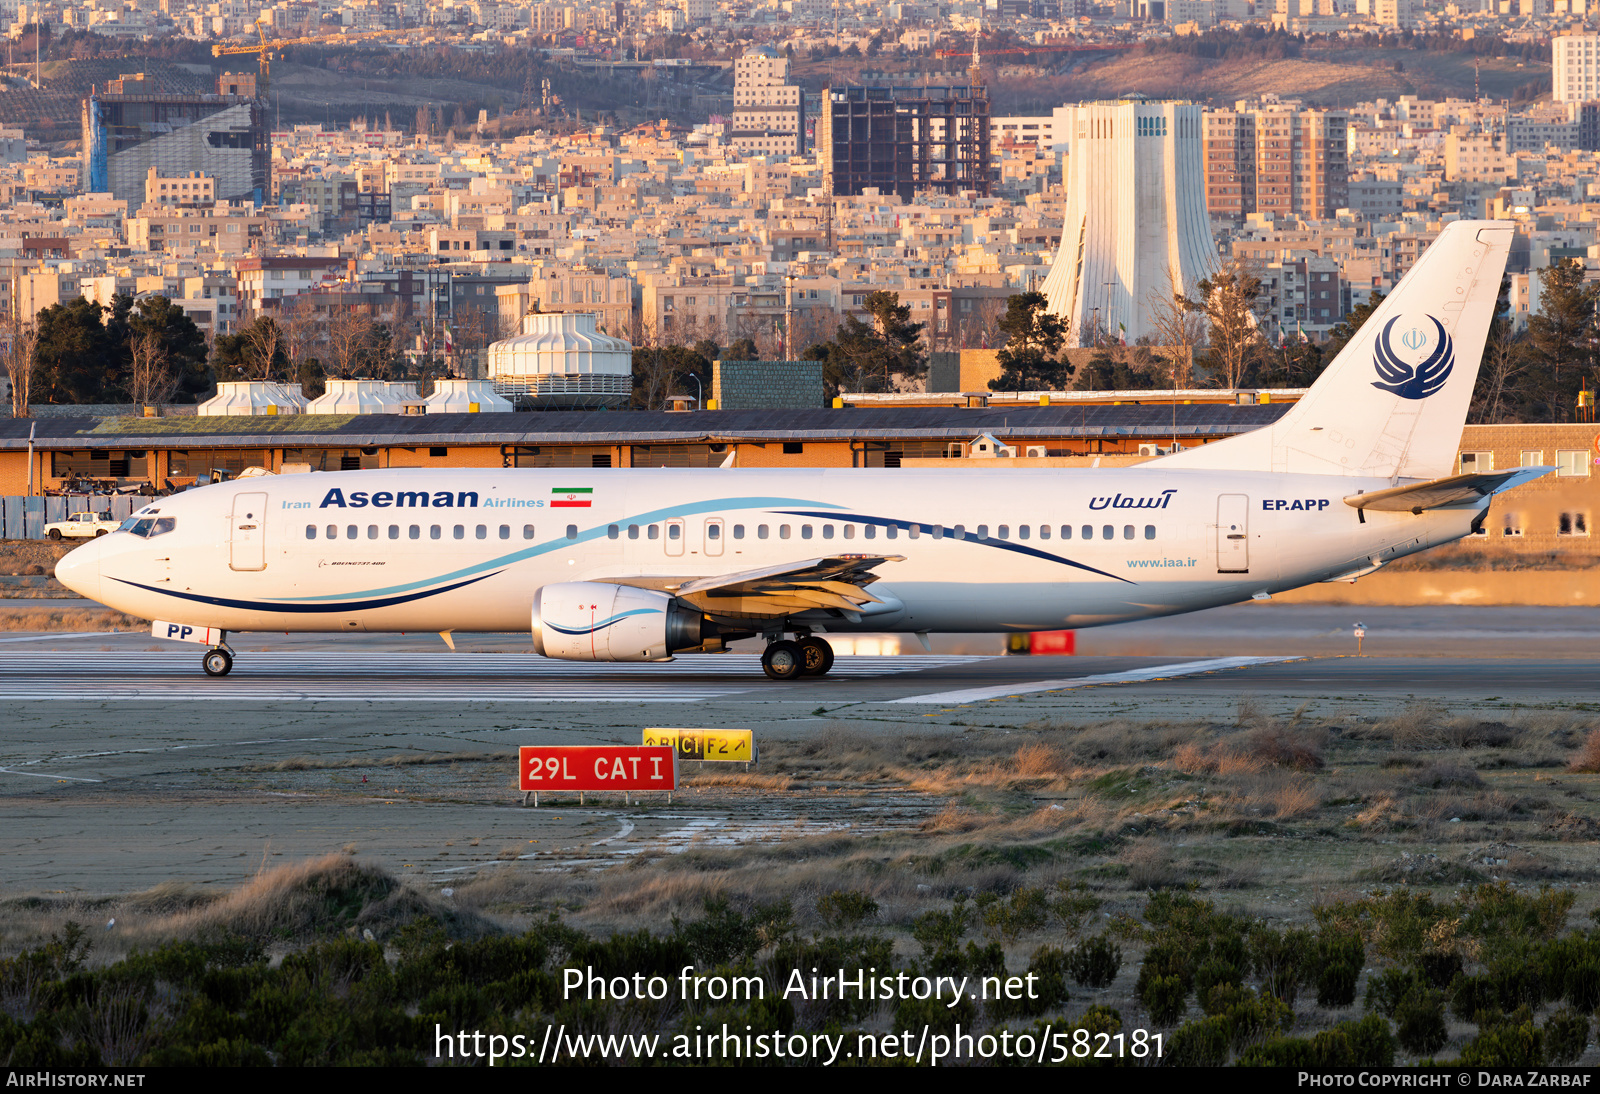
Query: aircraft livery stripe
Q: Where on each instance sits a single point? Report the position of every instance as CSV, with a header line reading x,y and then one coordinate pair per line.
x,y
982,541
603,624
279,606
563,544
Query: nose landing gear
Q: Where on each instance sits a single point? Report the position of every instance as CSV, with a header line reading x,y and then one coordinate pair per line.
x,y
786,660
218,660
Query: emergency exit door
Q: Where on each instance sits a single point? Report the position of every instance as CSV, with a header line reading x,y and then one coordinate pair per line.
x,y
248,540
1233,534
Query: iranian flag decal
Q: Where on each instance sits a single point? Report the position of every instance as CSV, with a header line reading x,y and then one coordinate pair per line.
x,y
571,497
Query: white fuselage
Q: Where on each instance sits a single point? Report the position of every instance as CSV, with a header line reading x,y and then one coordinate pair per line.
x,y
984,550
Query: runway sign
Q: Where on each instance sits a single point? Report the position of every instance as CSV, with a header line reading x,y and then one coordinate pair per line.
x,y
715,745
596,767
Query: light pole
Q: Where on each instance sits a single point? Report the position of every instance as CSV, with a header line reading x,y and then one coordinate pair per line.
x,y
788,317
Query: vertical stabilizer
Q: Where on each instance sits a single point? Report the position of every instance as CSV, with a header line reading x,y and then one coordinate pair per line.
x,y
1392,404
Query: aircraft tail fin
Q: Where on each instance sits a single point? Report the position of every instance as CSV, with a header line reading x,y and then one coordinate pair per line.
x,y
1392,404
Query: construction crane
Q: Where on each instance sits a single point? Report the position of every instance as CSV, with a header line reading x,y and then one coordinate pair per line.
x,y
264,48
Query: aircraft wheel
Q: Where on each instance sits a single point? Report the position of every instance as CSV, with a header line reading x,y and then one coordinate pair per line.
x,y
819,656
218,662
783,660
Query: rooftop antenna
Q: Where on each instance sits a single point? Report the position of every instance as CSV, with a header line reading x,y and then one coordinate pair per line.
x,y
975,73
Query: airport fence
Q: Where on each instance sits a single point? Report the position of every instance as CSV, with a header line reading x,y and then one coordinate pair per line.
x,y
25,518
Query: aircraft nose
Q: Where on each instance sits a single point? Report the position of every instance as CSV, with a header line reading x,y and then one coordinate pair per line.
x,y
80,570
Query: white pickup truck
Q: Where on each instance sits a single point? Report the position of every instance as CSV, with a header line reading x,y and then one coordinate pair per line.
x,y
81,526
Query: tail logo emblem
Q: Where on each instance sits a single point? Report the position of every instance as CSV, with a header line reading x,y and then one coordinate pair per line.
x,y
1413,381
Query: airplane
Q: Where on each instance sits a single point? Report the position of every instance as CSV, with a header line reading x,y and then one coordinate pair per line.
x,y
642,564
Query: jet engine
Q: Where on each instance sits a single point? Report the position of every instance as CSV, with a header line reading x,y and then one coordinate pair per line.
x,y
597,621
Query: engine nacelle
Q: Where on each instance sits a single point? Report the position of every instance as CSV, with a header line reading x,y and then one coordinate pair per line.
x,y
596,621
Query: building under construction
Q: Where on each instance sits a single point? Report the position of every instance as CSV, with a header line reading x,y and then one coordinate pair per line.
x,y
901,140
133,127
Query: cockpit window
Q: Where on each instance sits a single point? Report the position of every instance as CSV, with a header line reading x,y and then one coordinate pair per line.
x,y
145,527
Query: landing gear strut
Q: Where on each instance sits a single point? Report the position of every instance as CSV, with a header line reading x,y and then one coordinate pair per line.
x,y
218,660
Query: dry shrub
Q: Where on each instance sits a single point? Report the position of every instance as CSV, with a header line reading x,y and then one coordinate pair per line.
x,y
1150,866
1419,725
1587,761
1193,759
1230,761
21,616
751,779
310,898
1440,776
1474,733
170,897
1123,741
1295,798
1039,761
952,818
1287,746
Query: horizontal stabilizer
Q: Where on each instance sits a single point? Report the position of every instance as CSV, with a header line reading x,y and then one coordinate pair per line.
x,y
1439,493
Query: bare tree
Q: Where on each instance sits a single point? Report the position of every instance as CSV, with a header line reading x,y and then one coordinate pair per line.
x,y
348,332
302,331
265,339
1229,301
1179,328
21,339
1503,362
150,379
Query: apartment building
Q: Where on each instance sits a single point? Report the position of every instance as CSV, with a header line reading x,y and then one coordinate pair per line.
x,y
1276,158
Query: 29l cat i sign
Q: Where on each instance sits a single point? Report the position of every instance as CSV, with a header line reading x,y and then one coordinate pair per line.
x,y
596,767
717,745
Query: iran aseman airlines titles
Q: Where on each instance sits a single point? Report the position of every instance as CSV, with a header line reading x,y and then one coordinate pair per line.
x,y
637,565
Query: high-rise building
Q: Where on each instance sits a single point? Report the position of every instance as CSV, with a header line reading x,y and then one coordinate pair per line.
x,y
900,140
1576,62
129,130
1135,230
768,115
1276,158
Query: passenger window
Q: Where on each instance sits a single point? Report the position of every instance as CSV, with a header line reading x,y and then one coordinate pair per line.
x,y
394,531
633,531
783,531
738,531
1005,531
1127,531
1149,531
761,531
914,531
372,531
482,531
655,531
434,531
891,531
352,532
527,531
459,531
572,531
613,531
805,531
1088,531
1044,532
713,531
1022,531
674,531
311,531
415,531
983,531
849,531
938,531
1107,532
870,531
827,531
505,531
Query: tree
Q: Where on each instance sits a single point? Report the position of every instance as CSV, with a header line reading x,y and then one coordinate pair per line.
x,y
743,349
258,352
1178,327
1110,369
151,380
1562,335
21,340
183,347
1029,361
76,362
660,371
870,356
1340,335
1229,301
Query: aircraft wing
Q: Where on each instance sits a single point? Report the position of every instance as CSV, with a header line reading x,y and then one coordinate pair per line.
x,y
833,581
1438,493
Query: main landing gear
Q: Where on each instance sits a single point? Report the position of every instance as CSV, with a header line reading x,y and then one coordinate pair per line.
x,y
218,660
786,660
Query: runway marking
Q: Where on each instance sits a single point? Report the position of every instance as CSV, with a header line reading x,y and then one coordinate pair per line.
x,y
1133,676
46,775
66,634
409,677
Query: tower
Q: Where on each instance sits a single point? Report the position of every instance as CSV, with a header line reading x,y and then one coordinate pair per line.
x,y
1135,228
